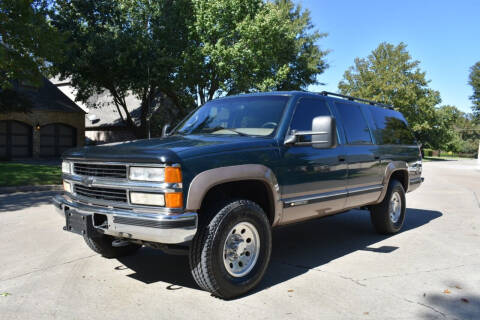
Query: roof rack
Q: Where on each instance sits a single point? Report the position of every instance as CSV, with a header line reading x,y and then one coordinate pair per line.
x,y
373,103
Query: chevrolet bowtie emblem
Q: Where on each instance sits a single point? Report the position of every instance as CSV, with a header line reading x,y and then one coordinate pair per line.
x,y
88,181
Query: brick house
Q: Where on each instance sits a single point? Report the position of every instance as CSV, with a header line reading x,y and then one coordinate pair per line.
x,y
55,123
103,122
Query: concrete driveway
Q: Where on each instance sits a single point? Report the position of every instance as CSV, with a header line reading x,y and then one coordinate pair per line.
x,y
331,268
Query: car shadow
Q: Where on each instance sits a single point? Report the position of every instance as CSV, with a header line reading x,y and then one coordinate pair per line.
x,y
296,249
19,201
318,242
151,265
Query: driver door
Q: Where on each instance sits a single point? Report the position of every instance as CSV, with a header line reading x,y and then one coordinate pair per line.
x,y
313,180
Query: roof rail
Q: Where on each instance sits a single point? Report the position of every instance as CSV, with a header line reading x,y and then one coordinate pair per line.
x,y
373,103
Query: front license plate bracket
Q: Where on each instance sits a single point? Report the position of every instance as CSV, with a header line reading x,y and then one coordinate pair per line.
x,y
79,223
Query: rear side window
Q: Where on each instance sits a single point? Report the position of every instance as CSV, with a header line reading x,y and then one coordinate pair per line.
x,y
307,109
391,127
354,123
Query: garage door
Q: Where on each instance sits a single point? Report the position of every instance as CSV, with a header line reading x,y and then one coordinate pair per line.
x,y
15,140
56,138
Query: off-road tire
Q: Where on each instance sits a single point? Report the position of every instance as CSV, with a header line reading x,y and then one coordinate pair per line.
x,y
102,244
206,251
380,214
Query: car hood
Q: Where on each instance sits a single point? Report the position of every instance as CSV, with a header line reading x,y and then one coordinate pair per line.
x,y
171,149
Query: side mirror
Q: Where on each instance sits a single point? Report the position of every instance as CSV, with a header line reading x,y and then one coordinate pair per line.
x,y
165,130
291,138
324,133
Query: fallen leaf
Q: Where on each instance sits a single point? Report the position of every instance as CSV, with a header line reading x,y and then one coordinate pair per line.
x,y
366,313
446,291
424,294
290,290
5,294
458,287
465,300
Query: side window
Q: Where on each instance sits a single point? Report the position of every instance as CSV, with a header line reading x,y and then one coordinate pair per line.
x,y
391,128
356,128
306,110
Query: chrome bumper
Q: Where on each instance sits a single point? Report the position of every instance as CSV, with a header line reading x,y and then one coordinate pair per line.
x,y
128,224
415,183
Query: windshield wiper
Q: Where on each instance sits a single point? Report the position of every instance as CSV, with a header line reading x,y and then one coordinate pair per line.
x,y
210,130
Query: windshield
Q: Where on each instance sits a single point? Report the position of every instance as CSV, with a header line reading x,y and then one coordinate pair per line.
x,y
245,116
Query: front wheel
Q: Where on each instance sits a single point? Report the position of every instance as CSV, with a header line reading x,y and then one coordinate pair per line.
x,y
389,215
230,254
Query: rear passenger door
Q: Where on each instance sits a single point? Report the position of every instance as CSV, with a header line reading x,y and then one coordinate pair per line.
x,y
364,182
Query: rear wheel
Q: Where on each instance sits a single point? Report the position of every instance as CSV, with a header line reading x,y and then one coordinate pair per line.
x,y
230,253
389,215
102,244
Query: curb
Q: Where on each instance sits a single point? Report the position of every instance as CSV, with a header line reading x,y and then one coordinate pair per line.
x,y
51,187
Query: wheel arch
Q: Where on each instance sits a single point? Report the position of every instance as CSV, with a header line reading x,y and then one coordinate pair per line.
x,y
395,170
255,174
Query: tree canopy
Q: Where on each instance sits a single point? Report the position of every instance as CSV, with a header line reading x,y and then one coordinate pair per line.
x,y
186,50
474,81
244,46
27,43
390,75
122,48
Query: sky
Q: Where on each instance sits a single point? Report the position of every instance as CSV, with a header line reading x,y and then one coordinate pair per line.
x,y
443,35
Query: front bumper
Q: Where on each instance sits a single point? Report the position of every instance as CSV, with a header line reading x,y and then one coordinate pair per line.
x,y
415,183
124,223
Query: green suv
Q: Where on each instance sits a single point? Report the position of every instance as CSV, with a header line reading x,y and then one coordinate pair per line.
x,y
236,167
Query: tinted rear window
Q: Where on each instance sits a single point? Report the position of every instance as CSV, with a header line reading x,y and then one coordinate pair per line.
x,y
354,123
391,127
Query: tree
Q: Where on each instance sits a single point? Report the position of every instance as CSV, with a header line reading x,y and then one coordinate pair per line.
x,y
389,75
124,48
467,135
246,46
474,81
444,136
186,50
27,43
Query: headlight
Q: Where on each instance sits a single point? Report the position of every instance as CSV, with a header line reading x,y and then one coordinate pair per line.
x,y
66,167
147,174
149,199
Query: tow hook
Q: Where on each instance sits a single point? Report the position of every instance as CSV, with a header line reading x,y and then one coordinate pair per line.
x,y
120,243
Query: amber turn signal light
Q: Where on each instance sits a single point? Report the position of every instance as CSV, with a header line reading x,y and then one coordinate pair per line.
x,y
174,200
173,175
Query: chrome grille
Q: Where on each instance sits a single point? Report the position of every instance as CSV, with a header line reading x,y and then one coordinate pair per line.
x,y
100,170
107,194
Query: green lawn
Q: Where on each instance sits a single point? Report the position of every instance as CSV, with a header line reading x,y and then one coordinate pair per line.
x,y
443,158
19,174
